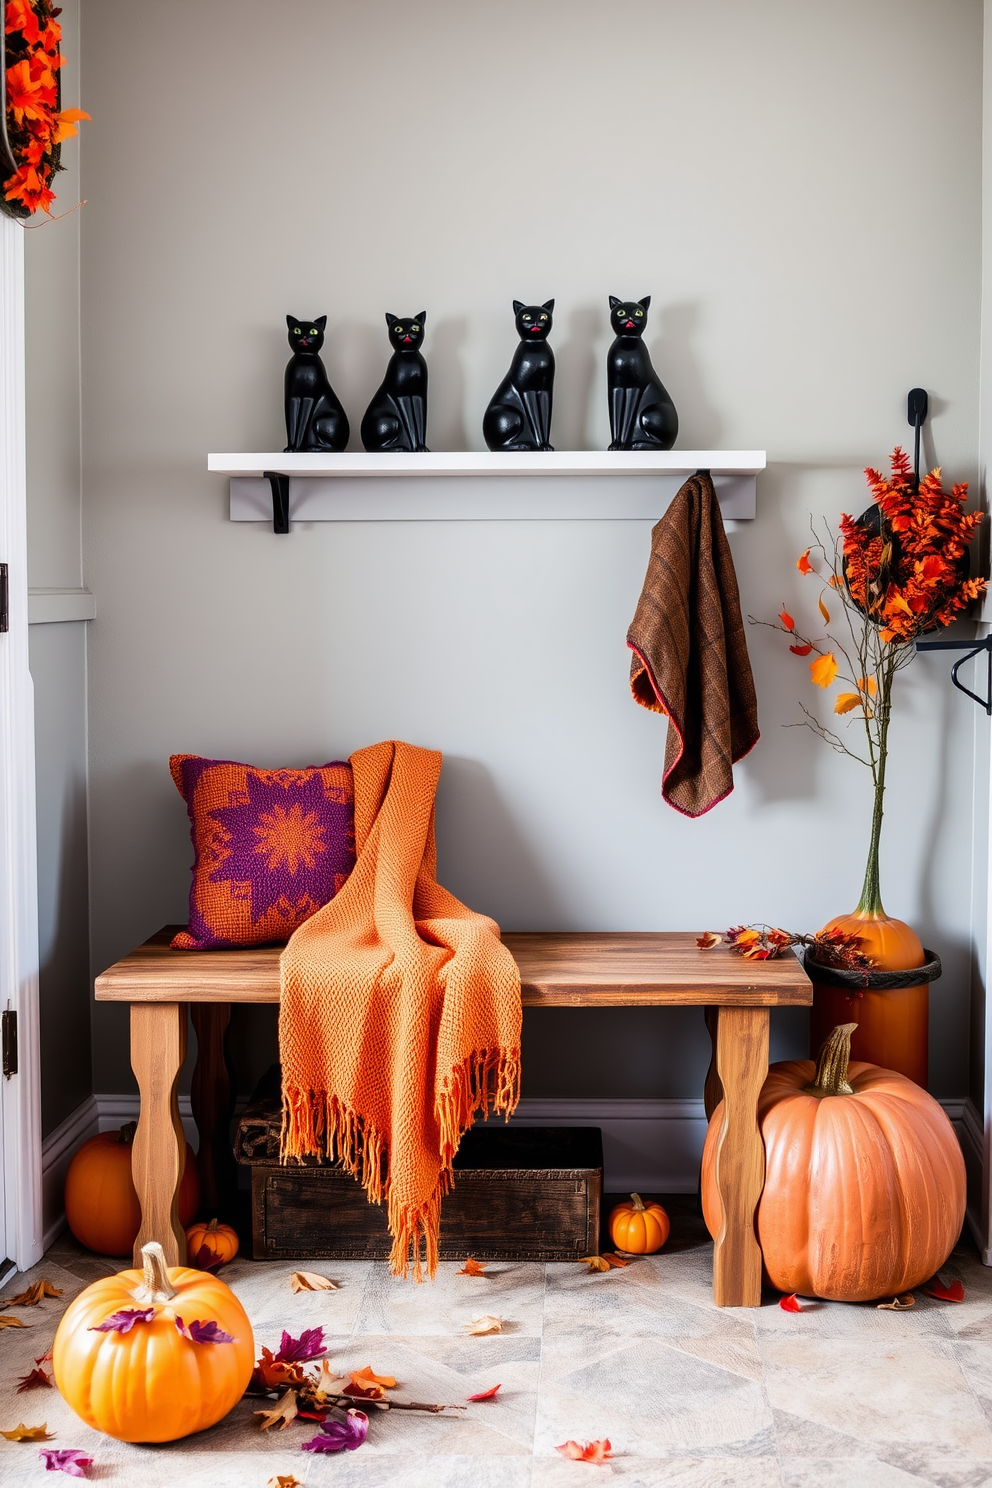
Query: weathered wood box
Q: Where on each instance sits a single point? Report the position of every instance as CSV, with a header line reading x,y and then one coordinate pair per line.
x,y
521,1193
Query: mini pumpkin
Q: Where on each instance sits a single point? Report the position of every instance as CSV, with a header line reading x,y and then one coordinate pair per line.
x,y
211,1245
639,1228
864,1192
153,1355
101,1202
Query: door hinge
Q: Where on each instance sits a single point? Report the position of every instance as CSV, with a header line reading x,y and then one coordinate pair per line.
x,y
4,607
8,1041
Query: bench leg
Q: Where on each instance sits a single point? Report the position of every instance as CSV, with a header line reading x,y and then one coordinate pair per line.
x,y
742,1063
212,1101
158,1048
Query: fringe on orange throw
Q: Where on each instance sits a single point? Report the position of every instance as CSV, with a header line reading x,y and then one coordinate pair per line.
x,y
400,1016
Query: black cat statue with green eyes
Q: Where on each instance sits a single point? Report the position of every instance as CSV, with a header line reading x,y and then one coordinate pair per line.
x,y
642,415
519,414
396,419
315,419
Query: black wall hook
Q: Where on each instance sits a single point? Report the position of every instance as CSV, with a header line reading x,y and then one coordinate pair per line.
x,y
280,499
973,649
917,407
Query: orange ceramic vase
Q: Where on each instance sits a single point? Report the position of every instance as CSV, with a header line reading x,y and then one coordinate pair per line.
x,y
893,1024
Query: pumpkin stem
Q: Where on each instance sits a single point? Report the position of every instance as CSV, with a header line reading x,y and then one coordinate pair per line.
x,y
155,1285
126,1133
831,1072
212,1226
638,1203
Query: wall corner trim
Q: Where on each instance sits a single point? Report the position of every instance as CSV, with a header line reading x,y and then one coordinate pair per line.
x,y
59,606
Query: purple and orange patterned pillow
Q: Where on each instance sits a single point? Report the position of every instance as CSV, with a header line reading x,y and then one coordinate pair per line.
x,y
272,847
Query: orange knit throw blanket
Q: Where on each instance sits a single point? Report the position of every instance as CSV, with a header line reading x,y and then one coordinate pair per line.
x,y
400,1014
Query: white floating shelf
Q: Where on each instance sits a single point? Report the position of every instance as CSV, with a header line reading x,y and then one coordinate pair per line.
x,y
624,485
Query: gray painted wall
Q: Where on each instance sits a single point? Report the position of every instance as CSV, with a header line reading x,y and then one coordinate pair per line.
x,y
750,167
58,652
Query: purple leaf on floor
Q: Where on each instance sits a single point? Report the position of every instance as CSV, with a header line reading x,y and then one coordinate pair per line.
x,y
205,1332
124,1321
69,1460
340,1435
35,1379
309,1345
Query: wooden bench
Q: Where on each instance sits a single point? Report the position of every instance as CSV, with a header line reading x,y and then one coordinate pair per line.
x,y
556,970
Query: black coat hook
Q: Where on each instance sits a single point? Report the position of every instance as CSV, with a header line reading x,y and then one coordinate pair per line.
x,y
917,407
279,485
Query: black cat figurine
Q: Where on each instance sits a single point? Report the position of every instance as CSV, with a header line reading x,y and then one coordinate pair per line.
x,y
315,419
519,413
642,415
396,419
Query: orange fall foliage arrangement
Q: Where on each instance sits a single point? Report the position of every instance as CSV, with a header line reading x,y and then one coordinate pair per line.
x,y
899,571
34,124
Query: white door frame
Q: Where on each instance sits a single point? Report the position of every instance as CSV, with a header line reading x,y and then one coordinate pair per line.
x,y
20,1096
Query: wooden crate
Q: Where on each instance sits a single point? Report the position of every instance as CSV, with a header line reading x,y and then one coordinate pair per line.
x,y
521,1193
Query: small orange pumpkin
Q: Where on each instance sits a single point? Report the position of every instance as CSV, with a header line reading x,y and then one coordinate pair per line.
x,y
864,1192
219,1241
147,1381
101,1202
639,1228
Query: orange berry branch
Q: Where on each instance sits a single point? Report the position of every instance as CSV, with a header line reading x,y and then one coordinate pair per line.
x,y
900,570
34,125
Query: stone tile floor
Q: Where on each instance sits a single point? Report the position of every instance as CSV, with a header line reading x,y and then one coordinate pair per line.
x,y
690,1395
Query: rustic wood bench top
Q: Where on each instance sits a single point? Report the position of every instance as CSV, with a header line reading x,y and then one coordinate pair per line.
x,y
567,969
563,969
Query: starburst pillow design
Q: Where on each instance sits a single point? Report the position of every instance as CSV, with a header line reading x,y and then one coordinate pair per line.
x,y
271,847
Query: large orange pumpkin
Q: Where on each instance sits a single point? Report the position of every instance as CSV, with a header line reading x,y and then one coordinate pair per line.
x,y
864,1190
101,1202
152,1383
893,1024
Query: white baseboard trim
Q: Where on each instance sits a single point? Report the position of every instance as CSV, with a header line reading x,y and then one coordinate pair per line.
x,y
649,1145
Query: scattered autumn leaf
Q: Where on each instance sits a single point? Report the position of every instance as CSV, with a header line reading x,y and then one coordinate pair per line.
x,y
790,1303
485,1324
945,1291
311,1281
27,1433
823,670
847,701
612,1259
787,621
489,1394
363,1392
203,1332
34,1294
329,1383
594,1451
708,940
284,1411
340,1435
472,1268
594,1263
309,1345
124,1320
270,1372
11,1322
366,1377
802,650
36,1379
897,1304
44,1358
71,1460
823,610
803,564
284,1480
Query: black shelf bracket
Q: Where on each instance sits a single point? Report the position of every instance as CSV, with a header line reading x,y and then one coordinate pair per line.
x,y
972,649
280,499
